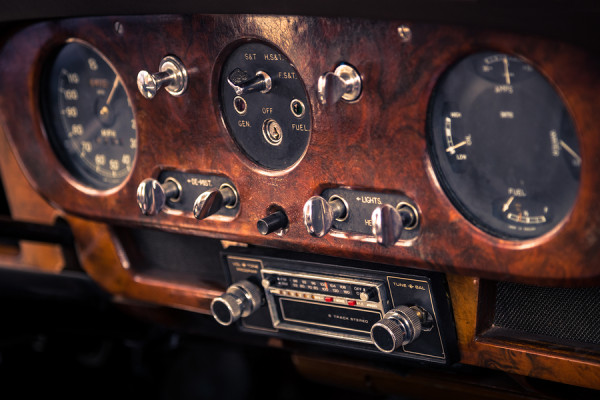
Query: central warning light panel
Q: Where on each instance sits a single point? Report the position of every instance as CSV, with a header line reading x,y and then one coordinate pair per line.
x,y
264,105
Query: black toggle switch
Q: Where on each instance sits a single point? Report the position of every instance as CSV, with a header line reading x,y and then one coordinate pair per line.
x,y
243,84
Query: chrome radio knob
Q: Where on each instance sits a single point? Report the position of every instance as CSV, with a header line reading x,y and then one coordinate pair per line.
x,y
399,327
389,222
211,201
319,214
171,74
342,84
239,301
152,196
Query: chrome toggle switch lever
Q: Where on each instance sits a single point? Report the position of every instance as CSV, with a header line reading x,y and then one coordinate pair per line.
x,y
211,201
242,83
171,74
152,195
319,214
389,222
344,83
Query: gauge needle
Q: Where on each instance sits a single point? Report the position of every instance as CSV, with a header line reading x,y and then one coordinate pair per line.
x,y
506,73
112,91
456,146
508,203
571,152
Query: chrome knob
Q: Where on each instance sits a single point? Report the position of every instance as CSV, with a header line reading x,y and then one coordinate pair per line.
x,y
398,327
319,214
344,83
239,301
389,222
171,74
211,201
367,294
242,83
152,196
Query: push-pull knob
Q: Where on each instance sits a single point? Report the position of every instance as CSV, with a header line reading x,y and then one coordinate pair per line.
x,y
239,301
152,195
389,222
398,327
272,223
171,74
319,214
242,83
342,84
211,201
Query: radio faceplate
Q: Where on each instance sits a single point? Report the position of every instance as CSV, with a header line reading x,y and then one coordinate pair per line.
x,y
336,302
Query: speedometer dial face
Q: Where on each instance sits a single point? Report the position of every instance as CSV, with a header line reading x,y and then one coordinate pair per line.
x,y
504,146
88,116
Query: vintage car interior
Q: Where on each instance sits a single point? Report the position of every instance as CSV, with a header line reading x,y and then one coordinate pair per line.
x,y
342,199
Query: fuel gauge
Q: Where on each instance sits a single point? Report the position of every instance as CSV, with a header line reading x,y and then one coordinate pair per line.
x,y
522,213
504,146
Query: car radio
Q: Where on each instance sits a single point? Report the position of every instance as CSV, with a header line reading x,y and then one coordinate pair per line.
x,y
370,307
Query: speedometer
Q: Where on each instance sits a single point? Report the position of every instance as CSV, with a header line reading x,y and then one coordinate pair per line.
x,y
88,116
504,146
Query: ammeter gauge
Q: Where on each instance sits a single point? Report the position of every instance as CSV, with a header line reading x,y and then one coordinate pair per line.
x,y
504,146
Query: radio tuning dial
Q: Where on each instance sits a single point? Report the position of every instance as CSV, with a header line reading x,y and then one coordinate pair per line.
x,y
319,214
239,301
152,196
399,327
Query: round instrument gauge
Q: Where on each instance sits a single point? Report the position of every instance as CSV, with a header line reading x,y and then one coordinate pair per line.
x,y
88,116
503,146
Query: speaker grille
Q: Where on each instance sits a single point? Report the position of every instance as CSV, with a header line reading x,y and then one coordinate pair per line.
x,y
566,314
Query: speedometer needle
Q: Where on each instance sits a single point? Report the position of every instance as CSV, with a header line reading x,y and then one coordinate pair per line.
x,y
112,91
571,152
456,146
507,204
105,111
506,73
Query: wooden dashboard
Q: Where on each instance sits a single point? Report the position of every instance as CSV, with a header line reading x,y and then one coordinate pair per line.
x,y
377,143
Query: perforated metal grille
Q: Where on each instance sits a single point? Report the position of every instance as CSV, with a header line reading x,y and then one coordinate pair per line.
x,y
559,313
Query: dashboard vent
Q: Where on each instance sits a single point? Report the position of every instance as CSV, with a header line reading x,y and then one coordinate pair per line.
x,y
561,315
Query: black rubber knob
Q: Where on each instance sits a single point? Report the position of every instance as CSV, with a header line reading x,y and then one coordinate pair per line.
x,y
274,222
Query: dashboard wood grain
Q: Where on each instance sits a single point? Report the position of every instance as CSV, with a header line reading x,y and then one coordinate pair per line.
x,y
377,143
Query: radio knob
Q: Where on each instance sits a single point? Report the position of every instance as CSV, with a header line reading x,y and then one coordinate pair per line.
x,y
389,222
319,214
399,327
211,201
152,196
239,301
367,294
